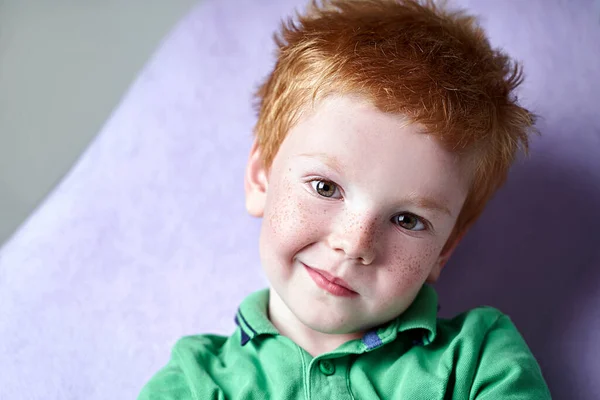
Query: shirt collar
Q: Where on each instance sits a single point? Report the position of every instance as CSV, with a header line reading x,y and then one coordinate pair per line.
x,y
419,320
252,316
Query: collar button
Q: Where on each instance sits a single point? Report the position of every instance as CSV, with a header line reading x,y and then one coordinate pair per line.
x,y
327,367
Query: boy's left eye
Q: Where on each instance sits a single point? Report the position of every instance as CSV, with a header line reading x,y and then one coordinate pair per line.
x,y
324,188
409,222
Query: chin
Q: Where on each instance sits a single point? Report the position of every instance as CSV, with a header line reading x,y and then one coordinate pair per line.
x,y
330,329
327,323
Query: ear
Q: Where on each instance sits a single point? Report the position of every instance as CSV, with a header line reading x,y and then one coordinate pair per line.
x,y
444,257
255,183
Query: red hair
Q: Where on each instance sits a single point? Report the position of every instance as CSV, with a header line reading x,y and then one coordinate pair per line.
x,y
430,64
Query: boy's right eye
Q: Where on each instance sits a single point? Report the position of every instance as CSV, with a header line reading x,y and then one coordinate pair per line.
x,y
324,188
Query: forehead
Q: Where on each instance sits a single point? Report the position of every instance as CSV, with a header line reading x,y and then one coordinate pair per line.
x,y
350,135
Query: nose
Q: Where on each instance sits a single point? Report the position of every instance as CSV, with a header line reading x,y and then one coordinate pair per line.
x,y
356,237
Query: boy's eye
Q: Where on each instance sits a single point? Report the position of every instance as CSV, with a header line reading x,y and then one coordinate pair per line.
x,y
409,222
324,188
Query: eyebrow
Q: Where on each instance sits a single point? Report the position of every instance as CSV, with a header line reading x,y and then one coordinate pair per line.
x,y
326,159
426,203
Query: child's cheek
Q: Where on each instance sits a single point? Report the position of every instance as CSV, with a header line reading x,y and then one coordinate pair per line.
x,y
412,264
290,218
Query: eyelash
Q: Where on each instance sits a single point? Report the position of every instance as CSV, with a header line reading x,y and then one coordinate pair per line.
x,y
426,225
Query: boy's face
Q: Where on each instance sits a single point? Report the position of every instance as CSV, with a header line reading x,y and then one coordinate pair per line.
x,y
357,207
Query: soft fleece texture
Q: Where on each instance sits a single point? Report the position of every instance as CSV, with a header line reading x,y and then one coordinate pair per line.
x,y
146,239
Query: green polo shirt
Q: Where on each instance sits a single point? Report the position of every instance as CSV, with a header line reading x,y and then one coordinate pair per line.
x,y
476,355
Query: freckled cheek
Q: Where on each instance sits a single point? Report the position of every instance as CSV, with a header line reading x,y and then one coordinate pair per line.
x,y
411,266
291,219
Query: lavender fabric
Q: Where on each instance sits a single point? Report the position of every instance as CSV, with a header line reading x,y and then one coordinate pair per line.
x,y
146,239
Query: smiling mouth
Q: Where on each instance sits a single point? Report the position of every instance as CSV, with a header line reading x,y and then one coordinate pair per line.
x,y
330,283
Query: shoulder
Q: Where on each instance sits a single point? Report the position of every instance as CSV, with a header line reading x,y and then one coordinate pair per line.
x,y
486,327
471,332
197,344
494,354
478,326
482,332
185,376
479,320
198,354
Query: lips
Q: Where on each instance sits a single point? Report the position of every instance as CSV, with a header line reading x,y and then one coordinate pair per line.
x,y
330,283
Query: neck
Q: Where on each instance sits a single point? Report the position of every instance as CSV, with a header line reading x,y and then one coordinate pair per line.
x,y
312,341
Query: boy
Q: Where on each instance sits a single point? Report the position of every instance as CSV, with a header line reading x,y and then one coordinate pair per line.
x,y
383,130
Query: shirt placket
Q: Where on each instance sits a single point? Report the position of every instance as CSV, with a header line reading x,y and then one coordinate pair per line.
x,y
328,378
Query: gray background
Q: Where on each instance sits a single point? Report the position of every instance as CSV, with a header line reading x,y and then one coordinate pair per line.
x,y
63,67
